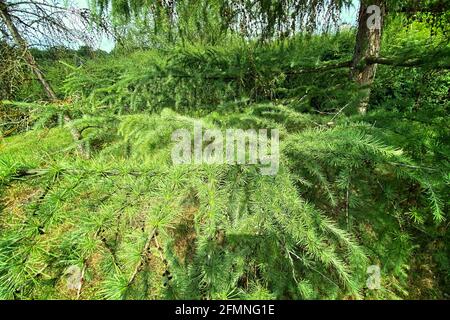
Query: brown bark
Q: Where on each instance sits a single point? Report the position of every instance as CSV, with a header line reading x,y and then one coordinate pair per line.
x,y
23,46
368,44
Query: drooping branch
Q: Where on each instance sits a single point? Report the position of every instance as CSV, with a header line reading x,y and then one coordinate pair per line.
x,y
322,68
22,44
143,255
410,63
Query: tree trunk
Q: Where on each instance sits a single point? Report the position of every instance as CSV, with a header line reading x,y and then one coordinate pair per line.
x,y
368,44
23,46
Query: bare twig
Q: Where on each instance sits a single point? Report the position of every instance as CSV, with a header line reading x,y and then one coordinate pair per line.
x,y
142,260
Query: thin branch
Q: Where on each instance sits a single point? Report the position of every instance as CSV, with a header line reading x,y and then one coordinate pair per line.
x,y
141,261
415,62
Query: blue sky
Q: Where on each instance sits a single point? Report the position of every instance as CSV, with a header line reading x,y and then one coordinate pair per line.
x,y
350,15
106,43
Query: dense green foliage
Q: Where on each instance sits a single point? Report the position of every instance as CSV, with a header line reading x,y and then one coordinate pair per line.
x,y
353,190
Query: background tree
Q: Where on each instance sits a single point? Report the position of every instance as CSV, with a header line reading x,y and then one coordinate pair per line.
x,y
35,23
208,21
367,44
44,23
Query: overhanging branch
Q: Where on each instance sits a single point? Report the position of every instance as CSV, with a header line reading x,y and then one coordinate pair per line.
x,y
410,63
